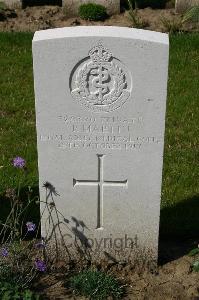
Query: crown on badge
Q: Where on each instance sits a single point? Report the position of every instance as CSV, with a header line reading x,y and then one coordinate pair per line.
x,y
100,54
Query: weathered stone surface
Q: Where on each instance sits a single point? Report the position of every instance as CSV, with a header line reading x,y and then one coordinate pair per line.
x,y
71,6
100,105
13,3
182,5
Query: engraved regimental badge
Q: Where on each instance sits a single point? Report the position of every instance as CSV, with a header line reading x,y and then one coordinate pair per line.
x,y
100,82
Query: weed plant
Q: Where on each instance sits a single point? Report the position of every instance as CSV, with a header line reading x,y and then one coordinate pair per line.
x,y
96,285
195,254
136,21
20,251
176,25
9,291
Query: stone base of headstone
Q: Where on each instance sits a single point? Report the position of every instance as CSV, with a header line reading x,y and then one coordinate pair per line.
x,y
71,6
182,5
139,258
69,239
13,3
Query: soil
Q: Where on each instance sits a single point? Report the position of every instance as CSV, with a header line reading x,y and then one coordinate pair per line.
x,y
36,18
172,279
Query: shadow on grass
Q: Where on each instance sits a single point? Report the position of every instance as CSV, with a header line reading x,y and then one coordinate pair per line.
x,y
32,213
179,229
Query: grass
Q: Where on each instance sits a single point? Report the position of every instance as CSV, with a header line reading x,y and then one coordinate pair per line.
x,y
17,115
180,203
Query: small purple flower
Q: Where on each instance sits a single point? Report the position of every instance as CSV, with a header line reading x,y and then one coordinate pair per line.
x,y
30,226
40,265
19,162
4,252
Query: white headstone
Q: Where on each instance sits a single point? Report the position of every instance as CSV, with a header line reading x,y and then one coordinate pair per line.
x,y
13,3
72,6
100,107
182,5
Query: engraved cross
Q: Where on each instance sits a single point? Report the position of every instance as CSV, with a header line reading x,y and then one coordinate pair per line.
x,y
100,183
